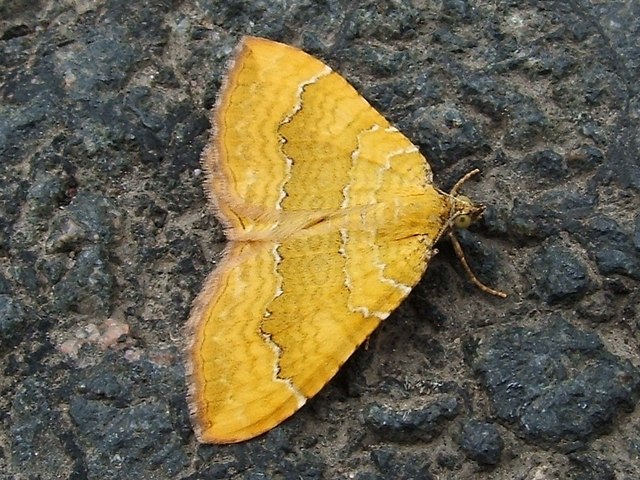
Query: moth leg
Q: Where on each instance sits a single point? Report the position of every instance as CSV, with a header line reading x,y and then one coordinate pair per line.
x,y
460,254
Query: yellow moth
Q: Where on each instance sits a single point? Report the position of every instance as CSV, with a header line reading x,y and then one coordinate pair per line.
x,y
331,217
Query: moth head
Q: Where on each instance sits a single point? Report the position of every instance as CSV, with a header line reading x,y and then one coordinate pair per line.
x,y
464,212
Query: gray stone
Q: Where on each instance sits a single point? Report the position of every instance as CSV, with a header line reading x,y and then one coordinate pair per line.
x,y
550,213
45,194
560,275
401,467
89,218
13,322
5,286
613,247
87,286
557,384
585,158
586,466
40,443
544,166
145,432
447,134
481,442
407,425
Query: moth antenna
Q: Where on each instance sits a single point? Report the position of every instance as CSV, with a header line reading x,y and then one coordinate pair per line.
x,y
459,183
460,254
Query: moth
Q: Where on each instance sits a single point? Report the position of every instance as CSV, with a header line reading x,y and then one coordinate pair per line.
x,y
331,217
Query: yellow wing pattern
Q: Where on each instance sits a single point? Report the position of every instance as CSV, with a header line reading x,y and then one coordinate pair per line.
x,y
332,219
276,321
290,134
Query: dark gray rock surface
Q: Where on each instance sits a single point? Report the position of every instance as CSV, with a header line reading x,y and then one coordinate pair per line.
x,y
423,423
106,238
558,384
481,441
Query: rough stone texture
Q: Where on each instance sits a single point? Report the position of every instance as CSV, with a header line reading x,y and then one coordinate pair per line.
x,y
558,385
12,322
481,442
559,274
423,423
106,237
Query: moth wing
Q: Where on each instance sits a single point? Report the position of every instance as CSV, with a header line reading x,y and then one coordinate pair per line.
x,y
292,135
275,322
234,393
